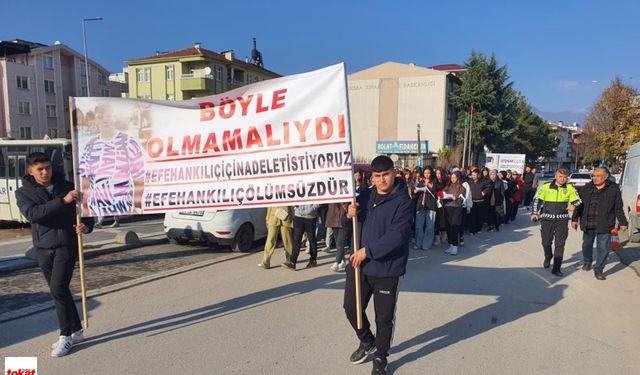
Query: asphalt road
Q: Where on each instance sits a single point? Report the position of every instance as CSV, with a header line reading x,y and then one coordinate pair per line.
x,y
490,310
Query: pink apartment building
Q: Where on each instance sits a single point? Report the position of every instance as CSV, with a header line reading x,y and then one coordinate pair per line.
x,y
36,82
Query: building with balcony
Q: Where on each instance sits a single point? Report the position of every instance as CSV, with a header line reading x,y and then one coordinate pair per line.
x,y
387,103
36,81
191,72
568,153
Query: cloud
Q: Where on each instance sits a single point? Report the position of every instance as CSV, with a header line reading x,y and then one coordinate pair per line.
x,y
567,86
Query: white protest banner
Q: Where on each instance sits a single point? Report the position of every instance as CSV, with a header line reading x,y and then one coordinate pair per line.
x,y
502,162
284,141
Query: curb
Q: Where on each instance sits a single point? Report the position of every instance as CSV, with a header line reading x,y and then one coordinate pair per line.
x,y
34,309
23,263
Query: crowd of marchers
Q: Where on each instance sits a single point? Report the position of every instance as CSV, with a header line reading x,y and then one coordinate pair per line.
x,y
453,203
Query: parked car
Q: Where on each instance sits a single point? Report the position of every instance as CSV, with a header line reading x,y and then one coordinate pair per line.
x,y
579,179
238,228
630,186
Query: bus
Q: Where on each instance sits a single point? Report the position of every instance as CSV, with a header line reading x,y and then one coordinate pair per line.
x,y
13,166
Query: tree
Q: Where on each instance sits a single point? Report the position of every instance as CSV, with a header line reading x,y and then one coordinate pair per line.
x,y
613,124
531,135
486,87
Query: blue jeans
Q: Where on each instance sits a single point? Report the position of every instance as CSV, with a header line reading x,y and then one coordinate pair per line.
x,y
425,228
603,243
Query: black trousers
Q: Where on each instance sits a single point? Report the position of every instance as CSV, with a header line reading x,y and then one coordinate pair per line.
x,y
526,200
303,225
385,297
475,218
454,223
514,210
57,266
508,210
557,230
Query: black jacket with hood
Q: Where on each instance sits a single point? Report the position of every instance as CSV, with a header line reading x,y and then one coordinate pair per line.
x,y
51,219
386,232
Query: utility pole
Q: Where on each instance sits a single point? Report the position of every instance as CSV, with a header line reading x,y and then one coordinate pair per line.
x,y
470,135
419,157
464,147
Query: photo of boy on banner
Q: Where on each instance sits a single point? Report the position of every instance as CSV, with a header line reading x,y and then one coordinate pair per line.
x,y
111,166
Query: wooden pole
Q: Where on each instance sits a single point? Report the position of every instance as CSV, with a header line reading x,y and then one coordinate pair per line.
x,y
355,218
76,182
356,247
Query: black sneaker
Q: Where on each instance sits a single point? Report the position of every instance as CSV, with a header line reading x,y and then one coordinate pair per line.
x,y
379,366
360,355
557,272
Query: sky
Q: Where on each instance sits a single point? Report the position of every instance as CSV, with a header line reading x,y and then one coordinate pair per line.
x,y
560,54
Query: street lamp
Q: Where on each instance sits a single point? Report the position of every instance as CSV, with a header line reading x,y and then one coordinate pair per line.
x,y
86,57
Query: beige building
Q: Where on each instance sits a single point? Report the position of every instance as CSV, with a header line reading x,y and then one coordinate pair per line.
x,y
387,103
36,81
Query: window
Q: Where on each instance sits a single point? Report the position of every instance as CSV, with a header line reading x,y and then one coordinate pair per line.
x,y
169,69
22,82
24,108
53,133
139,76
51,110
171,97
25,132
47,61
83,70
85,92
49,86
102,79
218,70
450,112
448,137
105,93
147,74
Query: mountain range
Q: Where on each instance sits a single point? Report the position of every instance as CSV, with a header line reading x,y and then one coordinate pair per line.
x,y
567,117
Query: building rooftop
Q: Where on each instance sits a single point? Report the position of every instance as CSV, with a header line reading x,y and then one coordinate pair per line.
x,y
449,67
199,51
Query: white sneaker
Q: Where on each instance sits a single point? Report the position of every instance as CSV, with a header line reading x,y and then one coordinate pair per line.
x,y
334,267
63,347
453,250
76,338
342,266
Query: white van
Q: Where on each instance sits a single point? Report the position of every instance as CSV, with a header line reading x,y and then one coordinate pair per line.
x,y
630,186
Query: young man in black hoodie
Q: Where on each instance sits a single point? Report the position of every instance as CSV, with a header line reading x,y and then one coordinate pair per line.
x,y
47,200
383,255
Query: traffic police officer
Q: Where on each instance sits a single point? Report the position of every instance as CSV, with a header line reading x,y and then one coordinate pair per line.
x,y
553,204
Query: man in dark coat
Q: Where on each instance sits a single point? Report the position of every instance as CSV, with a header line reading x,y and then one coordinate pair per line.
x,y
47,200
602,205
383,255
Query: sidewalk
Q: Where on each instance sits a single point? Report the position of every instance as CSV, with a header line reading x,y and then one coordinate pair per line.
x,y
101,241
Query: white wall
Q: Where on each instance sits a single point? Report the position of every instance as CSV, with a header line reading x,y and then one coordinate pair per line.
x,y
364,99
421,101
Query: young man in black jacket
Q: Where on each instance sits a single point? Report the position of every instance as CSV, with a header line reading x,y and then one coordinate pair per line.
x,y
383,255
602,205
47,200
